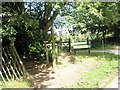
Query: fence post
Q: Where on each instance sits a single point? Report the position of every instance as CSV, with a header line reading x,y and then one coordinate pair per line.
x,y
69,45
46,52
53,47
88,42
60,43
56,54
103,46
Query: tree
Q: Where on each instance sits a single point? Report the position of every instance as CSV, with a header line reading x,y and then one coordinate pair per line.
x,y
94,17
26,24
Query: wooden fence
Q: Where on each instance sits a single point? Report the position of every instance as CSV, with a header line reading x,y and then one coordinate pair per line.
x,y
11,65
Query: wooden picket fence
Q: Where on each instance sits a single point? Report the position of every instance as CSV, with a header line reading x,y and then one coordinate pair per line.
x,y
11,65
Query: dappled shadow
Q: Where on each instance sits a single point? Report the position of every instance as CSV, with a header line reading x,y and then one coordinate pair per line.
x,y
67,54
38,74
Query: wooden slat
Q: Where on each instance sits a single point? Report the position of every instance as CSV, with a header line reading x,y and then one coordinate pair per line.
x,y
77,43
81,46
8,70
2,77
8,60
51,44
3,68
24,70
13,62
16,60
12,65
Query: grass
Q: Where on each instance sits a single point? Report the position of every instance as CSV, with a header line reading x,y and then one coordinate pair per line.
x,y
104,66
16,84
98,66
106,46
97,47
91,79
101,48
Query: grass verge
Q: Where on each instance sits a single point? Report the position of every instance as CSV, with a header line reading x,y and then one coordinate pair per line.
x,y
15,84
107,66
106,46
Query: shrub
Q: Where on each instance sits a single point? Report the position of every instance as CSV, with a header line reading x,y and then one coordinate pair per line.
x,y
72,59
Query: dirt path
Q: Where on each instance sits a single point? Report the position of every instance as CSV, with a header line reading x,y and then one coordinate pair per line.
x,y
116,50
66,77
56,77
113,84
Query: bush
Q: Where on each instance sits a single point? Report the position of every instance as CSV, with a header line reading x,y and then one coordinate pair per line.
x,y
38,50
72,59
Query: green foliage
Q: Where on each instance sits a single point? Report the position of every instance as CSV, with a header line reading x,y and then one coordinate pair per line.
x,y
8,32
27,24
99,18
64,48
36,48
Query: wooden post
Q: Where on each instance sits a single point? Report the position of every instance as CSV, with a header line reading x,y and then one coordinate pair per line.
x,y
88,44
103,46
74,51
60,44
69,45
56,54
46,52
53,47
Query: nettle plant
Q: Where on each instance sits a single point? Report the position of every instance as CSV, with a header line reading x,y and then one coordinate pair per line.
x,y
37,48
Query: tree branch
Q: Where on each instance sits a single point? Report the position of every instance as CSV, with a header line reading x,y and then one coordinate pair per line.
x,y
51,20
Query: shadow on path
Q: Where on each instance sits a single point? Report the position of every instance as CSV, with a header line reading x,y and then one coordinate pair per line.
x,y
38,74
